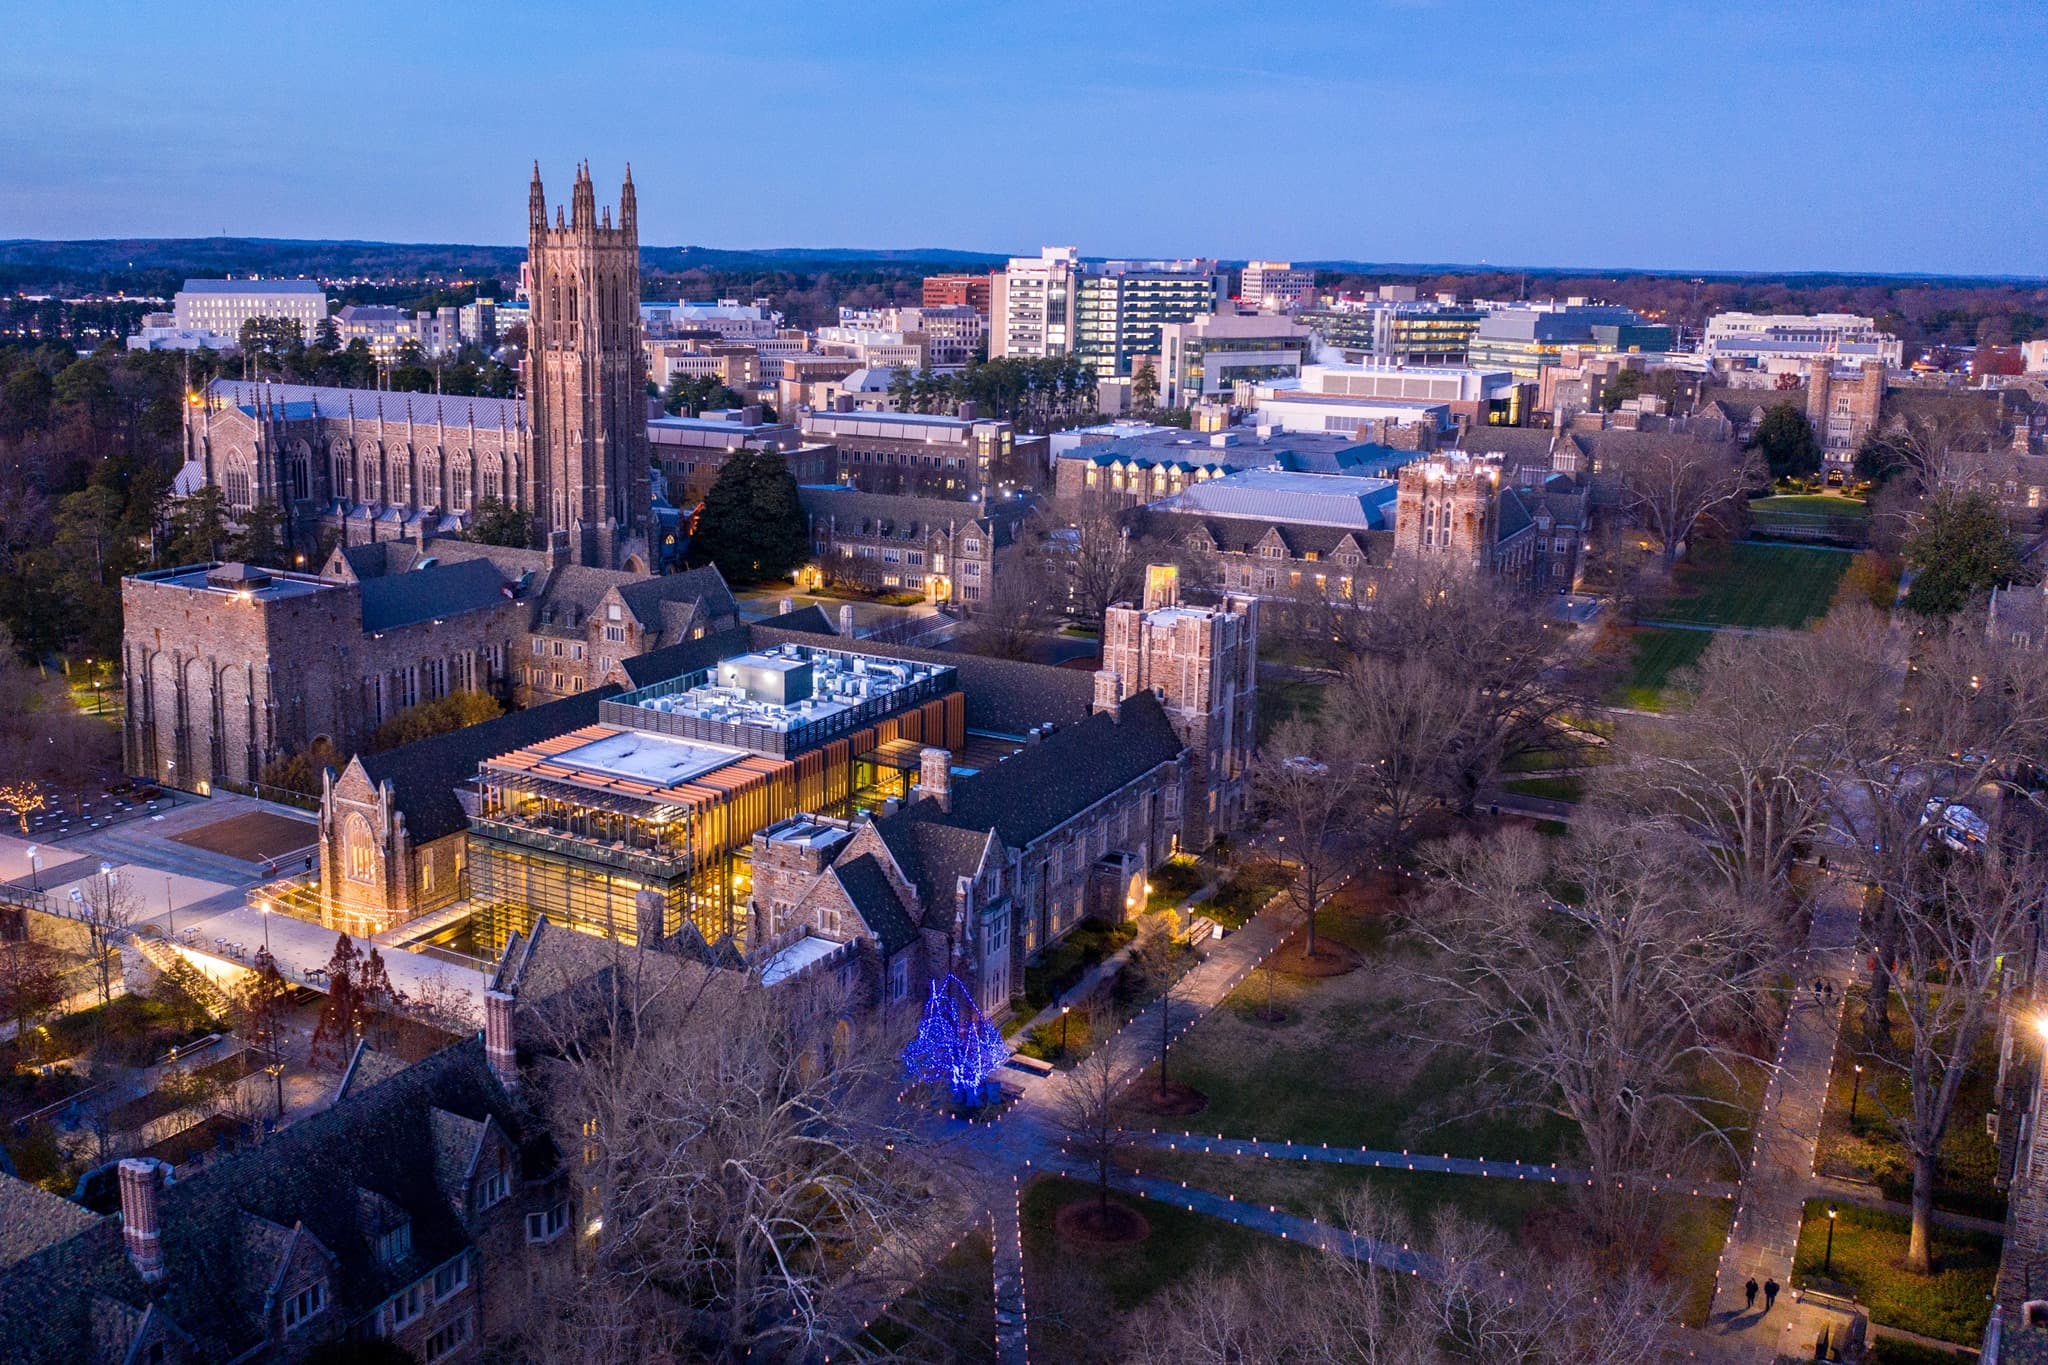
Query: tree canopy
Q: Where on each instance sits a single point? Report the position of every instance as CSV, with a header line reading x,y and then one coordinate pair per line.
x,y
752,526
1785,441
1963,547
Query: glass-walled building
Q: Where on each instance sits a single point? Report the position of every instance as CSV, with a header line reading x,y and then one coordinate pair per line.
x,y
628,828
1119,307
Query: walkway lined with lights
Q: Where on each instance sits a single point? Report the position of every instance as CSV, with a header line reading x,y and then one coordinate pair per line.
x,y
1006,1219
1765,1235
1445,1164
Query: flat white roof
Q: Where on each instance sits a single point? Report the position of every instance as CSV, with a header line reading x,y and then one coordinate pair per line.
x,y
659,760
793,959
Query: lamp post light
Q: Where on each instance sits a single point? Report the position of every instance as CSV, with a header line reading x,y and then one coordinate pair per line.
x,y
1064,1010
35,868
264,906
1827,1261
1855,1094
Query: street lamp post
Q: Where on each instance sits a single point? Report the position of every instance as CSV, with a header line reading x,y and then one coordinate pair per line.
x,y
264,906
35,868
1827,1261
1063,1028
170,909
1855,1094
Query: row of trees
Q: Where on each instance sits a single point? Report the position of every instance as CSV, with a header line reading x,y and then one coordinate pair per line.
x,y
1036,395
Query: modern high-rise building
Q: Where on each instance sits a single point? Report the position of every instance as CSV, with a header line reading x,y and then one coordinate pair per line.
x,y
1429,332
1754,340
1031,305
957,291
222,306
1524,339
1209,356
1275,285
586,377
1119,307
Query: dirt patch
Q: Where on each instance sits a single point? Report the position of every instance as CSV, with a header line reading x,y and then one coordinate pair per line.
x,y
1091,1223
256,836
1174,1100
1330,959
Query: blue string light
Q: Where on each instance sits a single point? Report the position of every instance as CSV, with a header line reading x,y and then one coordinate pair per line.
x,y
955,1045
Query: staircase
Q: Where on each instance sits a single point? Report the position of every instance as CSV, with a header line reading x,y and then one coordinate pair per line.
x,y
186,977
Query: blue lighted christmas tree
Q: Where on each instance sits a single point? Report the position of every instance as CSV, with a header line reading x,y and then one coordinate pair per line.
x,y
956,1045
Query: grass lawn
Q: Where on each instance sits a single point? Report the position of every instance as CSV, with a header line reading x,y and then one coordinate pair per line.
x,y
1173,881
1281,699
1078,1294
1244,894
1892,1351
1548,760
1658,654
1811,505
1044,1041
1569,787
950,1315
1753,585
1871,1150
1952,1304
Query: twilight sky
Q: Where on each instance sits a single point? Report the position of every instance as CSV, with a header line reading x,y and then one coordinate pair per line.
x,y
1750,134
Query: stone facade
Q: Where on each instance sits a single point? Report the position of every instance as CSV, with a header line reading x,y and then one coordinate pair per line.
x,y
586,377
1843,407
228,669
1203,663
949,551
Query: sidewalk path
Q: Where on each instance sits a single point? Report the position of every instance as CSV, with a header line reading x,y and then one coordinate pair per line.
x,y
1404,1161
1780,1175
1006,1218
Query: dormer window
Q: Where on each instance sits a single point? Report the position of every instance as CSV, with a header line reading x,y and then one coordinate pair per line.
x,y
305,1305
492,1188
395,1244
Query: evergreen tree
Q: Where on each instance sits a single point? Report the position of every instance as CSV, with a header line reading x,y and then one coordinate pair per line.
x,y
260,541
752,526
199,527
1962,548
1785,439
494,521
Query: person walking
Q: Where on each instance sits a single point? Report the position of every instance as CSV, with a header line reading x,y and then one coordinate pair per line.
x,y
1770,1294
1749,1295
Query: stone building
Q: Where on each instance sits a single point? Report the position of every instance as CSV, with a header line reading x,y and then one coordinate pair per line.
x,y
367,465
423,1207
586,377
1843,407
949,551
230,667
925,454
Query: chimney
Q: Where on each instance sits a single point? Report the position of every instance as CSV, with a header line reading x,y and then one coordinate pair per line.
x,y
500,1044
846,621
558,549
935,776
649,918
142,1182
1108,692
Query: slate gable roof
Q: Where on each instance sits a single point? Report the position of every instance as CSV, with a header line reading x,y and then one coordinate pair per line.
x,y
1522,445
227,1227
32,1219
867,886
933,857
1025,797
659,665
424,775
379,558
911,518
427,594
1242,535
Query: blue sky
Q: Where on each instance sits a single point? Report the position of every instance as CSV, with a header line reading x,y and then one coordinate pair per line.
x,y
1780,136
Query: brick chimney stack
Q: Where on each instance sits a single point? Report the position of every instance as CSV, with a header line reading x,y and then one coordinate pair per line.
x,y
1108,692
935,776
500,1046
142,1182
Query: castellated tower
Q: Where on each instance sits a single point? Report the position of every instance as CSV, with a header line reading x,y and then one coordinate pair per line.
x,y
586,378
1445,513
1204,663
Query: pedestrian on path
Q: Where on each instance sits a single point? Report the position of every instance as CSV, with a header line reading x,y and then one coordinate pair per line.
x,y
1749,1294
1770,1294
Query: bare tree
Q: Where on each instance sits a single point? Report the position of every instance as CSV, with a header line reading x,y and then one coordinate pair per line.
x,y
31,981
1670,482
1159,963
1615,1010
1959,917
107,905
741,1162
1103,560
1307,780
1736,763
1087,1105
1016,611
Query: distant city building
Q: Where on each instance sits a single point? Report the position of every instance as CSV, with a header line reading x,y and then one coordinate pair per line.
x,y
962,456
222,306
730,318
934,338
1368,396
1275,285
1209,356
1425,333
1031,305
957,291
1119,307
1128,463
2034,356
690,451
1782,342
1843,405
160,332
383,329
1525,338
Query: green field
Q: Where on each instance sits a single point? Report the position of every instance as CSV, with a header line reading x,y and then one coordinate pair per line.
x,y
1780,586
1810,505
1658,654
1952,1304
